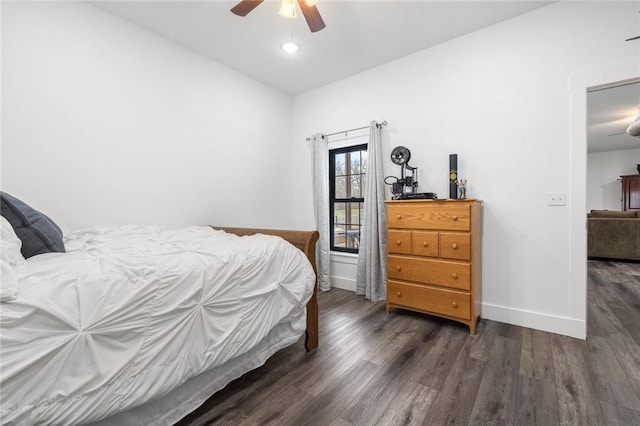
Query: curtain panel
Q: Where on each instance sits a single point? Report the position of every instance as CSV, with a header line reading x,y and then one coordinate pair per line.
x,y
372,260
321,207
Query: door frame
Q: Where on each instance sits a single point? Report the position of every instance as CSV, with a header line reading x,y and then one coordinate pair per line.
x,y
579,83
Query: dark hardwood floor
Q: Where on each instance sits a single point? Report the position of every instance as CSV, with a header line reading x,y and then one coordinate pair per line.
x,y
408,369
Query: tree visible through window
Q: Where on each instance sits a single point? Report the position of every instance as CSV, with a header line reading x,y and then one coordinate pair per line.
x,y
347,173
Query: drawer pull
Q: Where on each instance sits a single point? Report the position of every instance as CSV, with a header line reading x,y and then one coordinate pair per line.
x,y
398,294
454,246
425,244
398,242
454,276
454,304
398,217
398,268
455,218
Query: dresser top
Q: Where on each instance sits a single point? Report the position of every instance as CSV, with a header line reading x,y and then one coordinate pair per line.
x,y
437,200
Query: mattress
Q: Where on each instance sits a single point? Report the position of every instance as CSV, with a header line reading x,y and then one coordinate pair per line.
x,y
130,315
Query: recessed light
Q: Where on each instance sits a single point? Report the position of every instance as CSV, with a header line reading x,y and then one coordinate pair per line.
x,y
290,46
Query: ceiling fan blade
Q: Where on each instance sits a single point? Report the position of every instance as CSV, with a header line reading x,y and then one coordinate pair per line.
x,y
245,6
633,38
311,14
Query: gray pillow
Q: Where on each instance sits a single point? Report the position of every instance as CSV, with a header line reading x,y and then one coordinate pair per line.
x,y
38,233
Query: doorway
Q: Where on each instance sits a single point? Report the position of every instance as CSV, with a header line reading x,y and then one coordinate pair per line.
x,y
580,83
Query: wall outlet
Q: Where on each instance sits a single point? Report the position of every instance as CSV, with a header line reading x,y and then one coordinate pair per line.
x,y
556,198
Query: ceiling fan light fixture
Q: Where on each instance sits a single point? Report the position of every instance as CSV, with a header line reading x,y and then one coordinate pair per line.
x,y
634,127
288,8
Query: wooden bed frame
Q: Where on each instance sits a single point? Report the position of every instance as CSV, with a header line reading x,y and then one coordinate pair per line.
x,y
305,241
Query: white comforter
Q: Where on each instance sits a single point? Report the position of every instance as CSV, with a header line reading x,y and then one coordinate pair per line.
x,y
128,314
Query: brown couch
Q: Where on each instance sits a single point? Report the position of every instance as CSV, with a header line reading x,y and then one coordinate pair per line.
x,y
613,235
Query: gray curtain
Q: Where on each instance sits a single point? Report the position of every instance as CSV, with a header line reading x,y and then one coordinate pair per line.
x,y
321,205
372,260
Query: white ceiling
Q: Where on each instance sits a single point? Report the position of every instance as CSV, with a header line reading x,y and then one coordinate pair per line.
x,y
359,35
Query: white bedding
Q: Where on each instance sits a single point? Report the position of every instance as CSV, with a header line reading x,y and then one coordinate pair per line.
x,y
129,314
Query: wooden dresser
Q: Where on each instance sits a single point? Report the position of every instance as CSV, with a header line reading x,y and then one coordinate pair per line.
x,y
630,192
434,258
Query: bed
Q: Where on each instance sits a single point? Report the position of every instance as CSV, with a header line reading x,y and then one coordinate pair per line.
x,y
140,325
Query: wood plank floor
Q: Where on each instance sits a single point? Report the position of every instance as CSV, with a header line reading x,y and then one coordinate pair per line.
x,y
410,369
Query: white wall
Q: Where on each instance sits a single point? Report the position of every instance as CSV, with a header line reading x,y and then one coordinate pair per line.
x,y
500,99
604,189
105,123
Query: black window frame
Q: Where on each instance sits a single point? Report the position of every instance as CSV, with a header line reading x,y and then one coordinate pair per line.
x,y
333,200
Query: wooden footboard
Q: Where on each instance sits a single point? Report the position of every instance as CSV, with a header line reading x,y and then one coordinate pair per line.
x,y
305,241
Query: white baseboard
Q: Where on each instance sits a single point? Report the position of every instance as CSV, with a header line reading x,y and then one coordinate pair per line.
x,y
552,323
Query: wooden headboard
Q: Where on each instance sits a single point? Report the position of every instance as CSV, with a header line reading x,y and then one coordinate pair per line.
x,y
305,241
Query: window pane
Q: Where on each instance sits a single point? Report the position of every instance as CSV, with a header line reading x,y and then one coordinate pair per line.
x,y
339,165
354,165
339,213
353,236
339,239
355,214
356,190
341,187
348,211
364,160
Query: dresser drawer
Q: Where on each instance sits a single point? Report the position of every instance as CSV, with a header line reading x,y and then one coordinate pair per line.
x,y
424,243
436,216
440,301
399,242
455,246
438,272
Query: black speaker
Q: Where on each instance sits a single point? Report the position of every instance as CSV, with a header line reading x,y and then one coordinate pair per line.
x,y
453,175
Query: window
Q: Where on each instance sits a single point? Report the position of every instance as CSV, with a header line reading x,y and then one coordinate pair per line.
x,y
347,173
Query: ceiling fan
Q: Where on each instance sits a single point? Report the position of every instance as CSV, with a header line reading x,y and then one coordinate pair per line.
x,y
288,8
633,38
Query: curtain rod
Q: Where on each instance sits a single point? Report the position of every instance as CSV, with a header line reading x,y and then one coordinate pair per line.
x,y
384,123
